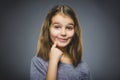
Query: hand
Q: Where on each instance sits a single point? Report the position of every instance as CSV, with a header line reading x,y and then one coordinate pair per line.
x,y
55,53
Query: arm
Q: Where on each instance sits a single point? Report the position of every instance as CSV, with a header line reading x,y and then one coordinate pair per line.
x,y
52,70
55,55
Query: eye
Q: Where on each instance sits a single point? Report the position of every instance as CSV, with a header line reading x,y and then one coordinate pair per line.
x,y
69,27
57,27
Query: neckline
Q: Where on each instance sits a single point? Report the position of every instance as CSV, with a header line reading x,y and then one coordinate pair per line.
x,y
65,63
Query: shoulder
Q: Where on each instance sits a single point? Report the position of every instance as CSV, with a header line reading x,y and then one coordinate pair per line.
x,y
83,65
38,61
38,68
83,68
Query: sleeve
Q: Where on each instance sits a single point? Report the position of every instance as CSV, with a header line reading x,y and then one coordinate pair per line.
x,y
86,75
89,73
37,71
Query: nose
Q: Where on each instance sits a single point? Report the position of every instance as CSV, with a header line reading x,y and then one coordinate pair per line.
x,y
63,32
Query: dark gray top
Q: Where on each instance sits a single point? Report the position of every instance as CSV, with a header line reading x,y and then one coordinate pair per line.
x,y
65,71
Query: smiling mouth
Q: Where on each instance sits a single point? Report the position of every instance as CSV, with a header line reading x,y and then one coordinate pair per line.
x,y
62,40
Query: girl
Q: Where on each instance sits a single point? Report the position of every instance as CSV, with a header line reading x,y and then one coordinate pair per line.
x,y
59,51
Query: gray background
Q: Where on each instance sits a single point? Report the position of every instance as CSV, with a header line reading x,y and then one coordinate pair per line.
x,y
20,23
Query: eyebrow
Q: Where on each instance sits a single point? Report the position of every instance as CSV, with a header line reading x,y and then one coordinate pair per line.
x,y
55,23
59,23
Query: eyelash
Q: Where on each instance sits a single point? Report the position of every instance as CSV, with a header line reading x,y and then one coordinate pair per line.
x,y
69,28
56,27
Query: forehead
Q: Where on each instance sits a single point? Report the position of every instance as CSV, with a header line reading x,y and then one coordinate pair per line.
x,y
62,19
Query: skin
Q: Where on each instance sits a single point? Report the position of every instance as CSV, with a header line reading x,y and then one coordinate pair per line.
x,y
61,33
62,28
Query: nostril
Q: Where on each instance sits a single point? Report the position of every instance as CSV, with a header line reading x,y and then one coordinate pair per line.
x,y
63,33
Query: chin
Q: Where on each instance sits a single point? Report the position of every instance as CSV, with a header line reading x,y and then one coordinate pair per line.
x,y
62,45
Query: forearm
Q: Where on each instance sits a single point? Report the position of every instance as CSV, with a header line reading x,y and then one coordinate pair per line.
x,y
52,70
54,57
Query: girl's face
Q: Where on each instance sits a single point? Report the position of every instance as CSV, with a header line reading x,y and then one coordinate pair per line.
x,y
62,30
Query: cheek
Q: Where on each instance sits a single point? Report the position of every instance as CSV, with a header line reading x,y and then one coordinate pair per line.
x,y
53,35
71,34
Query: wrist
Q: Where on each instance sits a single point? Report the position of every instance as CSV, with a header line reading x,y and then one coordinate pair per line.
x,y
53,61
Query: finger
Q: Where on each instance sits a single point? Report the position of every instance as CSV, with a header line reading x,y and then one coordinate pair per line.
x,y
55,43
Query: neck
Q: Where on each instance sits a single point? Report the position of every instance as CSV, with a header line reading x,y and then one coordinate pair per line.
x,y
66,59
63,49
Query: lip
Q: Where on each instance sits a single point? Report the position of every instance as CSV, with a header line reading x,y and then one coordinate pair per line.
x,y
62,39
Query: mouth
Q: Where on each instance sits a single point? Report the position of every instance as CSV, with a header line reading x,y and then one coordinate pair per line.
x,y
62,39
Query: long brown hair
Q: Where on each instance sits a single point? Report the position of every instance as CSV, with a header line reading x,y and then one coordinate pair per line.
x,y
74,49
